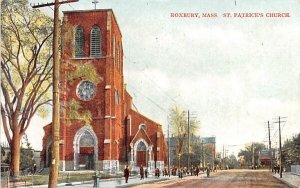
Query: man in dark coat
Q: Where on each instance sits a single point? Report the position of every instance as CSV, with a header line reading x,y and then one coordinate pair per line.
x,y
126,174
180,172
157,172
146,172
34,169
192,170
142,172
197,171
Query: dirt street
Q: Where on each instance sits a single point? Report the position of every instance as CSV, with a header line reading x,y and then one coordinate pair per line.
x,y
224,179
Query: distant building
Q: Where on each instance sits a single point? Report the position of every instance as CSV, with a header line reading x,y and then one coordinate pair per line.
x,y
173,150
265,157
211,143
208,142
5,150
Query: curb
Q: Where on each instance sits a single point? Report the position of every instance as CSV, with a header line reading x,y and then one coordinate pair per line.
x,y
146,182
152,181
284,181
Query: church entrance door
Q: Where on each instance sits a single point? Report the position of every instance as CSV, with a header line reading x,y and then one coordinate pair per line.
x,y
141,154
141,158
86,150
86,158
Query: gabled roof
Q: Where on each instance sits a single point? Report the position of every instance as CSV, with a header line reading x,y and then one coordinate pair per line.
x,y
144,135
135,113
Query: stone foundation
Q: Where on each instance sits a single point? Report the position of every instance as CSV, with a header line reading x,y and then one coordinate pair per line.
x,y
111,166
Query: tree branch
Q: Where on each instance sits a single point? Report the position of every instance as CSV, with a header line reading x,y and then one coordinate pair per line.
x,y
5,126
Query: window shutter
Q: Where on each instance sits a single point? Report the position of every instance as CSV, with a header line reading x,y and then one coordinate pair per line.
x,y
95,42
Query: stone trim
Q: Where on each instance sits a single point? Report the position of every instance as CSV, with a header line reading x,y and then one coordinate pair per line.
x,y
76,145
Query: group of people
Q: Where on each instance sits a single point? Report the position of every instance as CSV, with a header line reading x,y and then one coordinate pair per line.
x,y
195,171
174,171
143,173
276,169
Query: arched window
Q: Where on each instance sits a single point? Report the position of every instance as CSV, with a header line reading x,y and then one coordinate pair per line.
x,y
141,146
143,126
117,101
86,139
95,42
79,42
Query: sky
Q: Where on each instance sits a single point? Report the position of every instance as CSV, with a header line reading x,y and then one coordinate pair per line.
x,y
233,74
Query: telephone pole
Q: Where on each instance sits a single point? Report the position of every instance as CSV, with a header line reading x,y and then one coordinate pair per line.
x,y
253,160
188,163
169,157
280,150
223,157
53,175
270,148
202,154
190,115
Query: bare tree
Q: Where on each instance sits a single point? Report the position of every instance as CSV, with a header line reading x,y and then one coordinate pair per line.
x,y
26,70
179,128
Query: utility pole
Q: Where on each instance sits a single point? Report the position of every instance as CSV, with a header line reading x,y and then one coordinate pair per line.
x,y
280,150
188,162
202,154
253,156
270,148
53,175
169,148
190,115
223,157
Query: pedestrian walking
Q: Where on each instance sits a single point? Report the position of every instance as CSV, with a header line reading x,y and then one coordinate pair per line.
x,y
142,172
126,174
197,171
166,172
192,170
157,172
174,170
180,171
207,172
34,169
146,172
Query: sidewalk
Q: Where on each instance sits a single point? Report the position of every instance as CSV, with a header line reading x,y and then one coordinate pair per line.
x,y
113,182
120,182
117,182
289,179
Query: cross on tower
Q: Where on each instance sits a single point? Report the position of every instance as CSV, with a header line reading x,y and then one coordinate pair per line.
x,y
95,2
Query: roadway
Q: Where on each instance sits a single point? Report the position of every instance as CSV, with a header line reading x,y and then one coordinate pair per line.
x,y
223,179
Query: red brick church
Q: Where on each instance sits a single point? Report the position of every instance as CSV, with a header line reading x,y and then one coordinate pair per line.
x,y
117,134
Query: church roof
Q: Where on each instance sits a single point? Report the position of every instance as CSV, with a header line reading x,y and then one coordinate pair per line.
x,y
143,134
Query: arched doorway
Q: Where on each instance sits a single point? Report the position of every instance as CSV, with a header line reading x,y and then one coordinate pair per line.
x,y
86,152
141,154
48,154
